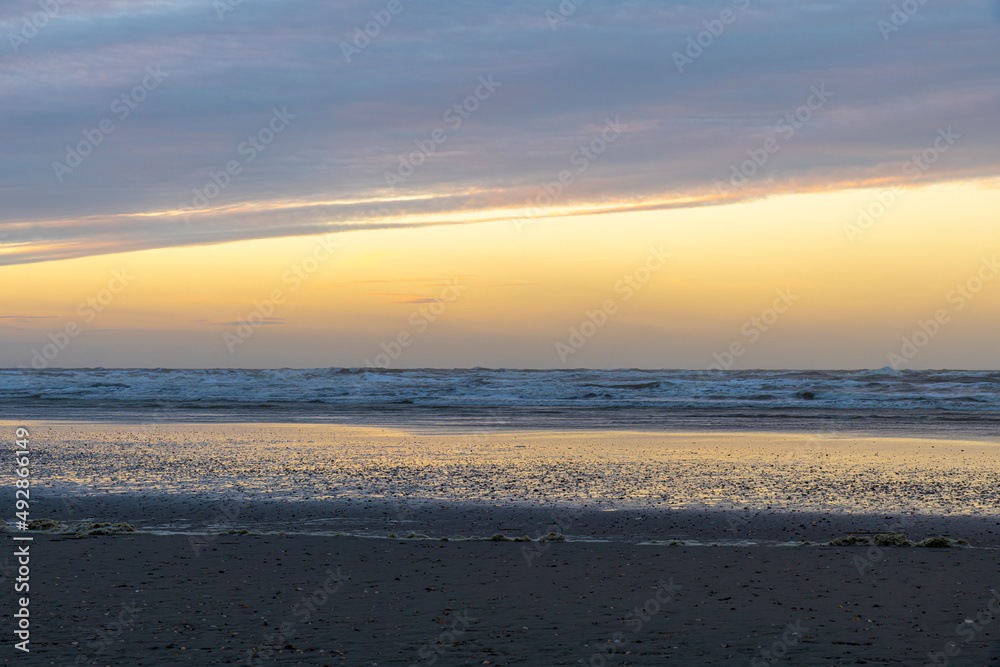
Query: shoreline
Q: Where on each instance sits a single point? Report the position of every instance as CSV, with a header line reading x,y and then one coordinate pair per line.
x,y
935,424
455,521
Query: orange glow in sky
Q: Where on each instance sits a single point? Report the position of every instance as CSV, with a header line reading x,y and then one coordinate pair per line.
x,y
493,294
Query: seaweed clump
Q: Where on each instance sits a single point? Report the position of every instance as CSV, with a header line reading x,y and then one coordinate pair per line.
x,y
552,537
897,540
891,540
941,543
85,529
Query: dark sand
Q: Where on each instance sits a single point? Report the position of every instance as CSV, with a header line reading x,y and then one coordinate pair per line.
x,y
436,519
472,603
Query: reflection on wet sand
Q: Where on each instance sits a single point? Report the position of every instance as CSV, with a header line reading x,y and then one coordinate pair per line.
x,y
842,473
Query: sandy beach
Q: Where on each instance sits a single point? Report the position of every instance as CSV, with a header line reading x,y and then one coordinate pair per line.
x,y
151,600
323,544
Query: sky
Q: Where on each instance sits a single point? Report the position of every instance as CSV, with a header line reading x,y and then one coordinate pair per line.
x,y
403,183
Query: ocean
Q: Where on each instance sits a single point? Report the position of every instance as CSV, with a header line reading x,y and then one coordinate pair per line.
x,y
946,402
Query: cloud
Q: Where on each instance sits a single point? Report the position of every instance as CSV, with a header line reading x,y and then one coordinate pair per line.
x,y
263,320
354,123
509,285
423,300
393,281
407,298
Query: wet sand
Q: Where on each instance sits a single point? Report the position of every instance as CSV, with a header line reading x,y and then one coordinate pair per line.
x,y
151,600
607,469
436,519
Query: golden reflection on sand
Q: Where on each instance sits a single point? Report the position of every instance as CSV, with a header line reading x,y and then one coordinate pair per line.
x,y
824,472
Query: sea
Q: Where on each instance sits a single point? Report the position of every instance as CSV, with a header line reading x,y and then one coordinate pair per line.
x,y
928,402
